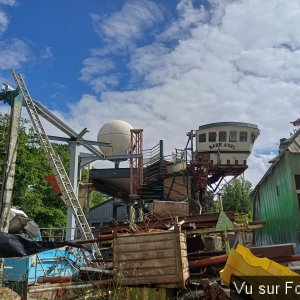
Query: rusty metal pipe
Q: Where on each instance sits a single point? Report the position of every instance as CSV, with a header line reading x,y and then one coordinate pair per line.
x,y
68,286
101,238
56,279
214,260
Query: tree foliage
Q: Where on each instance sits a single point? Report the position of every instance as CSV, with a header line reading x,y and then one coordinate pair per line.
x,y
96,198
236,196
32,193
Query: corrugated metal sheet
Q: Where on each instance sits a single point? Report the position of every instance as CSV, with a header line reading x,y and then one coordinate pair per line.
x,y
275,200
103,214
294,147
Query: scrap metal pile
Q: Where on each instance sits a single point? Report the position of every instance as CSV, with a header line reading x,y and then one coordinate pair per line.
x,y
188,257
205,234
142,253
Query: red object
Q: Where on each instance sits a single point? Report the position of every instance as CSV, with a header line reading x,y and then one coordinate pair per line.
x,y
52,181
213,260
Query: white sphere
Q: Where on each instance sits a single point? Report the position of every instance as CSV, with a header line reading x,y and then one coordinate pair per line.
x,y
117,133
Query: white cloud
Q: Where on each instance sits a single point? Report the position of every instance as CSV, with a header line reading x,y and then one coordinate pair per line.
x,y
257,165
237,61
3,17
46,53
93,72
7,2
129,24
119,32
188,17
13,53
3,21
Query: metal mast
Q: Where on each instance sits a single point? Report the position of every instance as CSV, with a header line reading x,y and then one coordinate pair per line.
x,y
9,164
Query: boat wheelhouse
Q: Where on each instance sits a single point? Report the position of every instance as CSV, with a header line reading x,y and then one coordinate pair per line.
x,y
226,143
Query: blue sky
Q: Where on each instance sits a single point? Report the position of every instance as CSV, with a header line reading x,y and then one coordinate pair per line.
x,y
60,35
166,66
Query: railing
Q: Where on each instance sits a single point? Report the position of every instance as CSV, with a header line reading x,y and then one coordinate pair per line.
x,y
58,234
152,155
153,173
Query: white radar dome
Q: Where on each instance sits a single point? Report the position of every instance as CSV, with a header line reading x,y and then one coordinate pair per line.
x,y
117,133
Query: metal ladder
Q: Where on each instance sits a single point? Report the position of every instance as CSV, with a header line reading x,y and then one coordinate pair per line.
x,y
56,165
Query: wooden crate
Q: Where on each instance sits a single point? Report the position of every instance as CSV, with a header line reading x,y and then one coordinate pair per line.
x,y
170,209
158,258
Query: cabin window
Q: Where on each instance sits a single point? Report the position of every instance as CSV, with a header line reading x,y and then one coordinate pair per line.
x,y
212,136
252,138
297,182
243,136
222,136
232,136
202,138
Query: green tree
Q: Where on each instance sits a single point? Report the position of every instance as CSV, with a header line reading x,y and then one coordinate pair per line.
x,y
96,198
236,196
32,193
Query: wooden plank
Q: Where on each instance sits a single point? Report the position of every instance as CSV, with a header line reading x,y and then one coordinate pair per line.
x,y
153,263
149,272
146,237
179,253
182,238
167,279
146,246
183,246
167,253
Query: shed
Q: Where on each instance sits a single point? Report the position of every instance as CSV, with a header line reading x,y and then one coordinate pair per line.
x,y
102,214
276,198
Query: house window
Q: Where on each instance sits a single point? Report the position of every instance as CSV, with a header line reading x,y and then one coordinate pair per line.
x,y
252,138
202,138
243,136
212,136
222,136
232,136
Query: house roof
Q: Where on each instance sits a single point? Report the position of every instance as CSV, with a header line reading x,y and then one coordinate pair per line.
x,y
292,145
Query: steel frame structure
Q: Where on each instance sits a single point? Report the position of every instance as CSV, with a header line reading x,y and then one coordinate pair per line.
x,y
136,162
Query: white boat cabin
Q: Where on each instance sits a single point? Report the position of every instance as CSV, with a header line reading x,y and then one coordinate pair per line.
x,y
227,143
